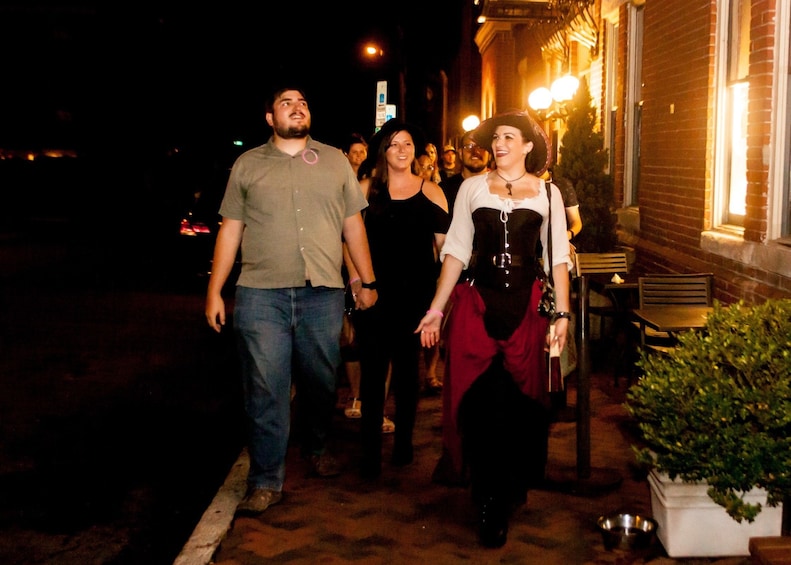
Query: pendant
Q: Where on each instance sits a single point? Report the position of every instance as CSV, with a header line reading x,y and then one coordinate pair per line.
x,y
509,183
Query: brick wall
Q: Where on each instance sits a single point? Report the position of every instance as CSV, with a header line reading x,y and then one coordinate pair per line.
x,y
676,121
677,145
670,224
760,113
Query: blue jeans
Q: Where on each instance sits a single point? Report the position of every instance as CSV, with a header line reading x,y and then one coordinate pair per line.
x,y
281,332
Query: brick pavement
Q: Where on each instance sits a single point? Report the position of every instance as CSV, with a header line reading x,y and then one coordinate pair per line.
x,y
405,518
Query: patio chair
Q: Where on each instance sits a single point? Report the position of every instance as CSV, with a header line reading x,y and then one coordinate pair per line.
x,y
607,264
694,289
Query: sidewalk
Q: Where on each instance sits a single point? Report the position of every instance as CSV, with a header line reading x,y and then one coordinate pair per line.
x,y
405,518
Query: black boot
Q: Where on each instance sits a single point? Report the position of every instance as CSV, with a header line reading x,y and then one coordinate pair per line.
x,y
493,523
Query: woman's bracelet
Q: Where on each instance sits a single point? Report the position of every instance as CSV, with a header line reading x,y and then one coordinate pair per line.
x,y
440,312
560,315
351,282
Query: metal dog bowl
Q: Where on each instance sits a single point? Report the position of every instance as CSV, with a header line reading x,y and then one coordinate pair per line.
x,y
626,531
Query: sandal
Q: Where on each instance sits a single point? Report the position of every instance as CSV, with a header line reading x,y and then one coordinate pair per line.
x,y
353,411
388,427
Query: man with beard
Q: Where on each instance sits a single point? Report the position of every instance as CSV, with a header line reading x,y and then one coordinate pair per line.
x,y
474,161
289,204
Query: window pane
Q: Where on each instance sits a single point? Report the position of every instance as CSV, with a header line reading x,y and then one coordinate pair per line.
x,y
738,118
739,40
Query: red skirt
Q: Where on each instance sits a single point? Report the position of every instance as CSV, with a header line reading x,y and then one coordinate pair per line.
x,y
469,351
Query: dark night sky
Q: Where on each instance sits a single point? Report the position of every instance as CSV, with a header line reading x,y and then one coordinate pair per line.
x,y
166,76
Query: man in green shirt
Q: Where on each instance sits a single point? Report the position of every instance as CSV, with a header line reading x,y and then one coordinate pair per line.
x,y
289,204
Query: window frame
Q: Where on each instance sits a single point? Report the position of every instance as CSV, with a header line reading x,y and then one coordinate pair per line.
x,y
779,198
633,106
732,77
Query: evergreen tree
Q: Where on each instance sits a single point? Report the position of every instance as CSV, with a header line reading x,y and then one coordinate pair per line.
x,y
583,160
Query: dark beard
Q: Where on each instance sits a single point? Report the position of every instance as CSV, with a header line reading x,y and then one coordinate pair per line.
x,y
292,132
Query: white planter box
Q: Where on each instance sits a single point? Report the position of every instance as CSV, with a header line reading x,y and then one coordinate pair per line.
x,y
693,525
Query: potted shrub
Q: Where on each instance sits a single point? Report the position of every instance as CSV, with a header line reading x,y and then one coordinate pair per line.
x,y
717,411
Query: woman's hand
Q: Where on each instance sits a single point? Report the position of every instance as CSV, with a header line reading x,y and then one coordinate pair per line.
x,y
364,298
559,336
429,328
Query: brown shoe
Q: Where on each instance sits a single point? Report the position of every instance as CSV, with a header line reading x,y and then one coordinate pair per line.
x,y
258,500
324,465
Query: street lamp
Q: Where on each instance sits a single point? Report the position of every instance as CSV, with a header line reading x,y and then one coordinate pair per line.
x,y
550,103
393,59
564,88
470,122
372,50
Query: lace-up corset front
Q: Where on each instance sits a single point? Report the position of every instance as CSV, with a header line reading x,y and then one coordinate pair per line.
x,y
505,251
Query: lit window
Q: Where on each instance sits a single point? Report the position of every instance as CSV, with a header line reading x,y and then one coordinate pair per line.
x,y
731,186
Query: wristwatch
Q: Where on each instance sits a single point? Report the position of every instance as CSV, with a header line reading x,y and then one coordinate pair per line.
x,y
370,285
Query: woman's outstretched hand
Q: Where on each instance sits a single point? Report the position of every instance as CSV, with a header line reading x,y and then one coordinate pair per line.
x,y
429,328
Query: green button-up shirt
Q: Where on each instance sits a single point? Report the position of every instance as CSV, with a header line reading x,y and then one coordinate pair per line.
x,y
293,208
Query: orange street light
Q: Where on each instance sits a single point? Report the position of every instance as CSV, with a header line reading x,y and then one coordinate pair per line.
x,y
551,102
470,122
372,50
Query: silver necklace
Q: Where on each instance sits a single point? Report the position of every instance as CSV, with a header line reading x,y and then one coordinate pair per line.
x,y
508,183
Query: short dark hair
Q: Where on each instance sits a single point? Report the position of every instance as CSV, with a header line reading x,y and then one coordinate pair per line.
x,y
270,103
354,138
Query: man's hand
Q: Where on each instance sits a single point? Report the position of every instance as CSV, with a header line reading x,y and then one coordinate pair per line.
x,y
215,312
364,298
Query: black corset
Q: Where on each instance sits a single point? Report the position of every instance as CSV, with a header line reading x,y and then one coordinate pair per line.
x,y
505,277
493,265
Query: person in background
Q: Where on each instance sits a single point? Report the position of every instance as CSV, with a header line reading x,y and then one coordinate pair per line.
x,y
448,165
427,164
406,221
474,161
573,218
568,358
290,204
495,405
431,151
426,168
356,151
432,384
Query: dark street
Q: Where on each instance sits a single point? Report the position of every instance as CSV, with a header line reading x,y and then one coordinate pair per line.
x,y
118,405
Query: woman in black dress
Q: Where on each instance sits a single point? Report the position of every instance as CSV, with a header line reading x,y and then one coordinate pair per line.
x,y
406,219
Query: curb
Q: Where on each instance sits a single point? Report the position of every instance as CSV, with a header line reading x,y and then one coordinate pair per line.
x,y
216,520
